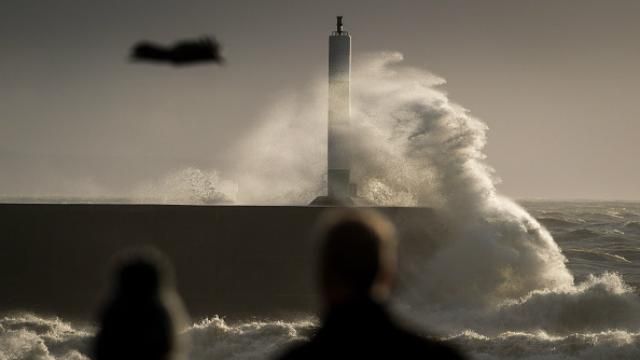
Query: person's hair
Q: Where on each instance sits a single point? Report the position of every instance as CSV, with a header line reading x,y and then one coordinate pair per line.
x,y
357,246
142,272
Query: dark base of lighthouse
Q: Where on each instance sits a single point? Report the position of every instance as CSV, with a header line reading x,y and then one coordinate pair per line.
x,y
341,191
340,201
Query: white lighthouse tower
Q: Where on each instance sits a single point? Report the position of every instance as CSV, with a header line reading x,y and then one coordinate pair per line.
x,y
340,190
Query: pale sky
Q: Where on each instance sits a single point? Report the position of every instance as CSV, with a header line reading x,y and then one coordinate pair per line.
x,y
555,80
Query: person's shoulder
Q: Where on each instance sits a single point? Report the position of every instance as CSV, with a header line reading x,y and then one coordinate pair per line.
x,y
299,351
444,351
430,348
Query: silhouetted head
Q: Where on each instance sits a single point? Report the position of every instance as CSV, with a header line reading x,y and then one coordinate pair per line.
x,y
142,273
357,257
144,316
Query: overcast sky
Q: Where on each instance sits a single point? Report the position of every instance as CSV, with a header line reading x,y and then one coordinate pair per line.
x,y
556,80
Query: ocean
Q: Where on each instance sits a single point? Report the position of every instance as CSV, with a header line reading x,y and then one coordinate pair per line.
x,y
596,318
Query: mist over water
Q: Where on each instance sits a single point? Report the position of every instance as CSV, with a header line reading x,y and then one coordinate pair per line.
x,y
498,283
188,186
281,161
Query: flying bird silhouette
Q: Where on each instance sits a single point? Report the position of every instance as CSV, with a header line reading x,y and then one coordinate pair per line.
x,y
186,52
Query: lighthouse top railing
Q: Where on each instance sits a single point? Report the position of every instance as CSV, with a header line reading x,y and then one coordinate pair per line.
x,y
340,33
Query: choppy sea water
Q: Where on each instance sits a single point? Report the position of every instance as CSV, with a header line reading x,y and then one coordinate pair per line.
x,y
598,238
595,236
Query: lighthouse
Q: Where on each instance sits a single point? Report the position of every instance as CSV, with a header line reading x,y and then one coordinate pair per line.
x,y
340,190
338,154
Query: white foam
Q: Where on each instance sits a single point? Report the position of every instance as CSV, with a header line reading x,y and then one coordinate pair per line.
x,y
26,336
213,338
30,337
540,345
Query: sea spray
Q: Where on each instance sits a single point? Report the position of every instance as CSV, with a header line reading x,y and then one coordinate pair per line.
x,y
283,159
415,140
188,186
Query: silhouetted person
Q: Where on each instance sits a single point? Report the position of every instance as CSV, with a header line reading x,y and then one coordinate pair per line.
x,y
357,270
182,53
142,319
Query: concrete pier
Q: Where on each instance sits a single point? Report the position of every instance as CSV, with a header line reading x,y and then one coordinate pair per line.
x,y
236,261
